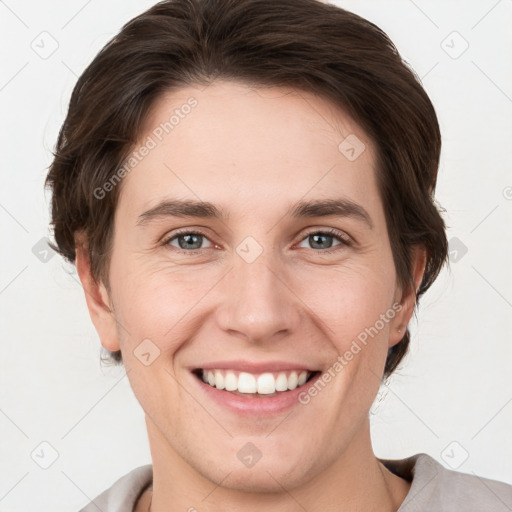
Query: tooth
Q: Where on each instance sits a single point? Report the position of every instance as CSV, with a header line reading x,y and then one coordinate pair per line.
x,y
246,383
219,380
282,382
292,381
266,384
302,378
230,382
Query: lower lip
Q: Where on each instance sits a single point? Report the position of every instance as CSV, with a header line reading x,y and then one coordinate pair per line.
x,y
258,405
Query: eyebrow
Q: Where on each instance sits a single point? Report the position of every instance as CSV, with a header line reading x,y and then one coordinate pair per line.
x,y
182,208
302,209
330,207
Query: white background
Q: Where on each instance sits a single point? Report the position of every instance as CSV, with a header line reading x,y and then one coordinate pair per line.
x,y
452,397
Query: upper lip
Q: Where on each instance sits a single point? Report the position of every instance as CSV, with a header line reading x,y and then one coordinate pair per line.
x,y
254,367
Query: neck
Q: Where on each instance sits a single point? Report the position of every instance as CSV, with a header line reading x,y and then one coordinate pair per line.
x,y
354,481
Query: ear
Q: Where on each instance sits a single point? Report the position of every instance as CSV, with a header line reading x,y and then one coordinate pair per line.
x,y
96,296
407,300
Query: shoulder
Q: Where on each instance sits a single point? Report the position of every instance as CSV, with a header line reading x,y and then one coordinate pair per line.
x,y
123,493
436,488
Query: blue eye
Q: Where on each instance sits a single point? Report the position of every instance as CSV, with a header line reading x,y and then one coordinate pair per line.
x,y
191,241
323,240
188,241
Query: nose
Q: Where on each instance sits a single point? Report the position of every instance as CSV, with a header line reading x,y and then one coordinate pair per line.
x,y
258,303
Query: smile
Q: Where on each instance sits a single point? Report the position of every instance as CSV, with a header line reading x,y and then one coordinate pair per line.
x,y
251,384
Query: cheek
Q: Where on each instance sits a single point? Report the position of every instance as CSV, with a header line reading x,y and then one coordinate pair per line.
x,y
159,302
347,300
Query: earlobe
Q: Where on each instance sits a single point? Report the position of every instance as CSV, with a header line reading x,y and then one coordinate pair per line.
x,y
408,299
97,299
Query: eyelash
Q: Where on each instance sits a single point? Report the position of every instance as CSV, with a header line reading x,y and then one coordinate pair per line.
x,y
344,239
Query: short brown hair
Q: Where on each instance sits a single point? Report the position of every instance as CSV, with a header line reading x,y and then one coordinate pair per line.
x,y
305,44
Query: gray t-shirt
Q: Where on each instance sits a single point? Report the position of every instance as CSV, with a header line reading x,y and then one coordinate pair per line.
x,y
434,489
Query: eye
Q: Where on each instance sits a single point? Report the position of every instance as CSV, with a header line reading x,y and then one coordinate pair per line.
x,y
191,242
323,240
188,241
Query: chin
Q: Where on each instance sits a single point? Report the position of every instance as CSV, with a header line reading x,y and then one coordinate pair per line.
x,y
266,478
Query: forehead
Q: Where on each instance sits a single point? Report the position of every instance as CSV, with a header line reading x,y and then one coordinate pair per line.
x,y
240,145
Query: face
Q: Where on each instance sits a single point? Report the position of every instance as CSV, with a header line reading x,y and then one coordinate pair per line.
x,y
267,286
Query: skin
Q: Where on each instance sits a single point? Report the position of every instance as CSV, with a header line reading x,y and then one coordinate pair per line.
x,y
253,152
